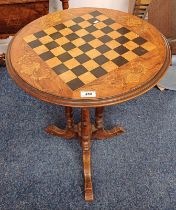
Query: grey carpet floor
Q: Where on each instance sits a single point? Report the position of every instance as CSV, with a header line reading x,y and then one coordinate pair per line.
x,y
134,171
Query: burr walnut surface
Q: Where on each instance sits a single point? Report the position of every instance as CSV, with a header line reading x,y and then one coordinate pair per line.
x,y
127,81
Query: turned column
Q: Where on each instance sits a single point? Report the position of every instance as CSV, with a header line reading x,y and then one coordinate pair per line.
x,y
99,118
69,118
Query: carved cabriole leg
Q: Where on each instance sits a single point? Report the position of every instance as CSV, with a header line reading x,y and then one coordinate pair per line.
x,y
100,133
65,4
85,143
69,132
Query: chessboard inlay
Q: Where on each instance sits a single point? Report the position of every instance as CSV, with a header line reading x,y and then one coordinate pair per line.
x,y
86,48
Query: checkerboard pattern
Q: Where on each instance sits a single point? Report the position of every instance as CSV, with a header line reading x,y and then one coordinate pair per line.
x,y
86,48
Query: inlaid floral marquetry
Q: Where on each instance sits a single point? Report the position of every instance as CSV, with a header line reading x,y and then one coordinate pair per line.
x,y
85,48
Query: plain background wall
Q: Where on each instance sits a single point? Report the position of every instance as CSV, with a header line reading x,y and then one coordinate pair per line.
x,y
113,4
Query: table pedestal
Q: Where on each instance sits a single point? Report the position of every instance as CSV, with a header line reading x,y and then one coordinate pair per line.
x,y
87,132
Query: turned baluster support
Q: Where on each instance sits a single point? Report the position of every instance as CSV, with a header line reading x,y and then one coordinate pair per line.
x,y
99,124
69,118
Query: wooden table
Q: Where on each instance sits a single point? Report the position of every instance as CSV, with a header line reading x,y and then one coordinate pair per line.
x,y
87,58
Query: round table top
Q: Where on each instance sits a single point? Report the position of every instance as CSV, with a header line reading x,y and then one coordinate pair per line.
x,y
88,57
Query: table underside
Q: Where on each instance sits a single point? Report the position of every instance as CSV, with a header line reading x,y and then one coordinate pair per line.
x,y
86,132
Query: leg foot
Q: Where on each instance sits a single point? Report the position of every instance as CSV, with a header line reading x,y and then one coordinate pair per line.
x,y
85,143
105,134
69,132
99,132
54,130
87,176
